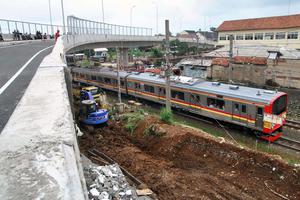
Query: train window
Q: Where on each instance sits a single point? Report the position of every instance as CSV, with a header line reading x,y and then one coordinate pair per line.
x,y
137,86
195,98
216,103
279,105
114,82
236,107
99,79
149,88
244,109
177,95
107,80
94,78
162,91
259,111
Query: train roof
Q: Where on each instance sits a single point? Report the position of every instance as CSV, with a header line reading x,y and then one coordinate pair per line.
x,y
228,90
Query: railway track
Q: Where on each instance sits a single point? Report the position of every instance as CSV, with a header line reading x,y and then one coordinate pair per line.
x,y
288,143
292,124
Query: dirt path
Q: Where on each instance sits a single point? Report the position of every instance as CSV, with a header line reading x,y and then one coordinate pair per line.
x,y
188,164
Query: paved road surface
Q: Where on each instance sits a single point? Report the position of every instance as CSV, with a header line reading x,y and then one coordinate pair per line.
x,y
12,59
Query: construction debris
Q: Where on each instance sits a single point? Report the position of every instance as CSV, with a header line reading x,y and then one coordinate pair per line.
x,y
108,182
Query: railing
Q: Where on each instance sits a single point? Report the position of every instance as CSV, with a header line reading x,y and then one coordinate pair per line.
x,y
9,26
12,29
80,26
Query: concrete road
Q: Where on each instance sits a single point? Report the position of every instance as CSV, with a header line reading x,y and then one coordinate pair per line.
x,y
18,65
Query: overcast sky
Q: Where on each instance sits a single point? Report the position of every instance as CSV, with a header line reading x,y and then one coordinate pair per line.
x,y
183,14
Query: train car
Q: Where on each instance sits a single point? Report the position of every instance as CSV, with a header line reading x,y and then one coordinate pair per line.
x,y
263,111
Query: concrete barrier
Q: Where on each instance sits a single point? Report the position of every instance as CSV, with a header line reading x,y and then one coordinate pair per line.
x,y
39,156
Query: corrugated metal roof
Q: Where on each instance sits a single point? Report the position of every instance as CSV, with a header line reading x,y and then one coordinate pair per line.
x,y
245,93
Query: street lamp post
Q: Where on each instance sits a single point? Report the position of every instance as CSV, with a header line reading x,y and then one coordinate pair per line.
x,y
156,5
63,16
52,32
131,10
102,6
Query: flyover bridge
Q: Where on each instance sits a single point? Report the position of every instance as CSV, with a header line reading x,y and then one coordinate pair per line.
x,y
39,154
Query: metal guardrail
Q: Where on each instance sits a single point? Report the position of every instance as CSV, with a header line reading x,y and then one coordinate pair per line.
x,y
8,26
80,26
75,26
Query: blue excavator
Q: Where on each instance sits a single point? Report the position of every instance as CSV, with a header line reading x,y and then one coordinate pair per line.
x,y
89,113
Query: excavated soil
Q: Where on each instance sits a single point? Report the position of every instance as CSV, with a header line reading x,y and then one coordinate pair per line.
x,y
189,164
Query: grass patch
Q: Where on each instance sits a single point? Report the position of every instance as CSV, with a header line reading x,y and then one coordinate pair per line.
x,y
166,116
132,120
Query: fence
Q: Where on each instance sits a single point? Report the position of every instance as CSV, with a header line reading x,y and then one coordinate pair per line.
x,y
8,26
79,26
74,26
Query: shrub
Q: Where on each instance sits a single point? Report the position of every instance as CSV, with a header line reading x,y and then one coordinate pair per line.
x,y
166,116
132,120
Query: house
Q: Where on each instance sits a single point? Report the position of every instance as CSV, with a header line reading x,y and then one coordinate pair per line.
x,y
198,35
195,68
270,31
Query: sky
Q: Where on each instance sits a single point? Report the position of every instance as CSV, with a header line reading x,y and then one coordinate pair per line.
x,y
183,14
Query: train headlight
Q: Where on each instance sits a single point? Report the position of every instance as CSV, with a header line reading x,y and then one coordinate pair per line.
x,y
267,125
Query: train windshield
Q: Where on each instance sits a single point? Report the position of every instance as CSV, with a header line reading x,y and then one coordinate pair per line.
x,y
279,105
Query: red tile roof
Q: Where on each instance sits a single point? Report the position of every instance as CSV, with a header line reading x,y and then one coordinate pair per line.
x,y
278,22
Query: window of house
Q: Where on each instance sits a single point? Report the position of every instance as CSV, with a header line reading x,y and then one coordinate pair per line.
x,y
149,88
177,95
259,36
216,103
94,78
280,35
269,36
222,37
249,36
239,37
244,109
292,35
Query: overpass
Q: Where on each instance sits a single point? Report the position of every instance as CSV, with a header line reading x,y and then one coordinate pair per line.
x,y
39,155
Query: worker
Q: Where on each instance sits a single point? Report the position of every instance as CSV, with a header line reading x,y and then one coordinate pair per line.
x,y
56,35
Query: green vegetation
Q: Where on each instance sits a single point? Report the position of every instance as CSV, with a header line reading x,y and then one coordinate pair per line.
x,y
85,63
156,53
166,116
132,120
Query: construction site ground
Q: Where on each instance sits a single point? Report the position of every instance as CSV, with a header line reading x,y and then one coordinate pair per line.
x,y
185,163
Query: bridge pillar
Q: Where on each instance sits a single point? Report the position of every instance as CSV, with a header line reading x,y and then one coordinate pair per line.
x,y
122,57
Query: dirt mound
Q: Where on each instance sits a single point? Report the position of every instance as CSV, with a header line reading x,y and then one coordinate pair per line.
x,y
188,164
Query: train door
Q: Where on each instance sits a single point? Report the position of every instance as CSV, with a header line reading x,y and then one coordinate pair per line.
x,y
259,117
236,112
161,94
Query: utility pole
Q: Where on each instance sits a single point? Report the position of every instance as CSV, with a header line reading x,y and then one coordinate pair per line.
x,y
52,32
63,16
168,67
230,58
119,61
